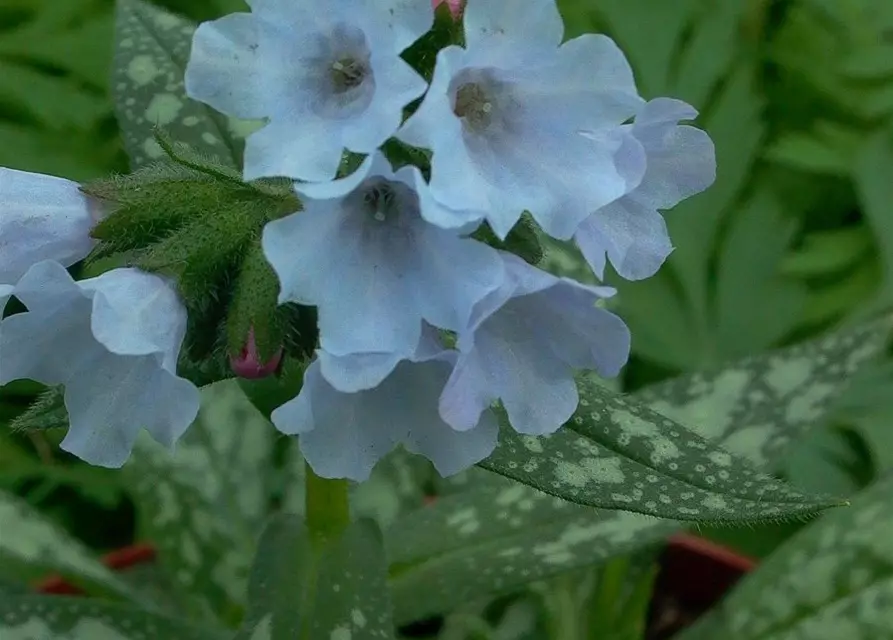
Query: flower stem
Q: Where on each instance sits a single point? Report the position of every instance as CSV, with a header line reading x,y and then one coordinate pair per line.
x,y
327,506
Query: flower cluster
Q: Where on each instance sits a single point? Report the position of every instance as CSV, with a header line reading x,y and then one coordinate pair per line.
x,y
425,316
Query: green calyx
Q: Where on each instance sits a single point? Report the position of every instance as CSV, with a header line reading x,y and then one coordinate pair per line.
x,y
522,240
198,223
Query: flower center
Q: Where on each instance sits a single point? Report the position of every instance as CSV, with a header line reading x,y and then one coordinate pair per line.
x,y
473,104
379,201
347,73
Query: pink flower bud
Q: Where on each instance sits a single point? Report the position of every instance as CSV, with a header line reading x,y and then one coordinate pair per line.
x,y
454,5
248,365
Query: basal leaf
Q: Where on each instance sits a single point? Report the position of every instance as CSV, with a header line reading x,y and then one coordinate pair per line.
x,y
204,504
303,589
616,453
493,536
31,547
831,581
151,51
66,618
497,538
757,406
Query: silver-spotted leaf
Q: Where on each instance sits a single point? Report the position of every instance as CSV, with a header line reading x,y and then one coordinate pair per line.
x,y
757,406
32,547
204,503
303,588
617,453
151,51
66,618
498,538
832,581
491,536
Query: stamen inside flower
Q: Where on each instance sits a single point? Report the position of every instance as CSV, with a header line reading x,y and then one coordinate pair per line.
x,y
347,73
473,104
380,201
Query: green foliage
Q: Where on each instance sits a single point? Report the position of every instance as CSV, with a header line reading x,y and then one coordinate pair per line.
x,y
151,50
31,546
616,453
66,618
302,589
833,580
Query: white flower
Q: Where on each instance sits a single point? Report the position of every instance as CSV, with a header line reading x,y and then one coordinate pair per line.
x,y
41,218
325,76
113,342
360,251
343,435
680,163
503,117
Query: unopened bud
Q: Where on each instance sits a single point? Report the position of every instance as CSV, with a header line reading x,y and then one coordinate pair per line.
x,y
248,363
454,5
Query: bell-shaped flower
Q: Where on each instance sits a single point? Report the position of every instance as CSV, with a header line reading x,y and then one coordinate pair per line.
x,y
680,163
523,345
324,77
112,342
343,435
503,118
41,218
361,252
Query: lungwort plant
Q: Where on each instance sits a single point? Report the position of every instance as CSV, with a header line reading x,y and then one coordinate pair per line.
x,y
324,280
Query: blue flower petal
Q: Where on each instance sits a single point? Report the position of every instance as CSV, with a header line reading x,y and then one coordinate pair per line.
x,y
524,346
343,435
375,269
323,81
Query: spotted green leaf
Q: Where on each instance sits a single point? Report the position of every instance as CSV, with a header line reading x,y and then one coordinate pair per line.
x,y
151,51
32,547
757,406
833,580
617,453
66,618
303,588
204,504
492,536
498,538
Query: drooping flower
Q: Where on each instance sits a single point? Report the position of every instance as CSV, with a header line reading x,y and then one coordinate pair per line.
x,y
361,252
113,342
503,118
248,363
324,78
522,347
41,218
343,435
680,163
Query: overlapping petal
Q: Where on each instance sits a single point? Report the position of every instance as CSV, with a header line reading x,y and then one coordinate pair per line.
x,y
41,218
504,122
343,435
523,346
113,343
323,80
376,270
680,163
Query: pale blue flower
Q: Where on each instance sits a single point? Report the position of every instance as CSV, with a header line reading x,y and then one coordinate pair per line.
x,y
41,218
503,118
360,252
113,342
680,163
523,345
324,76
343,435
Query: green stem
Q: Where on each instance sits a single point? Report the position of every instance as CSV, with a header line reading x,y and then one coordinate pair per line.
x,y
327,506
